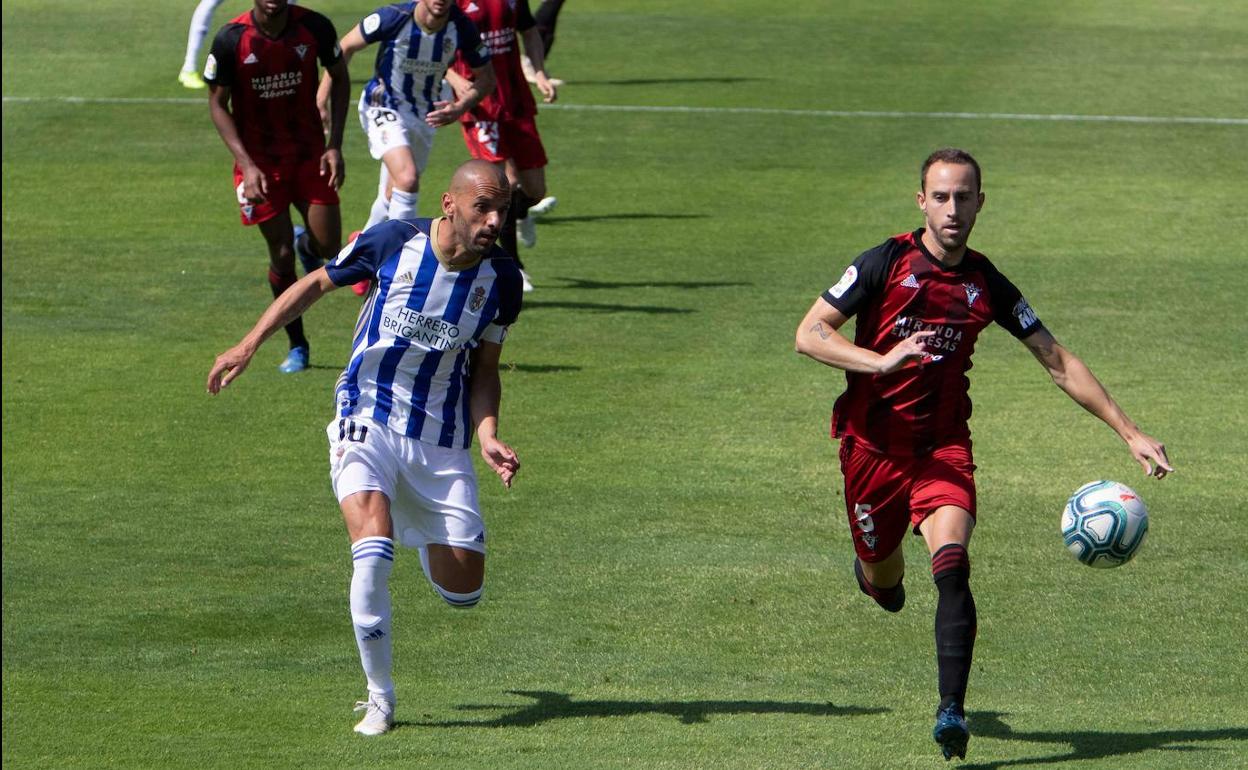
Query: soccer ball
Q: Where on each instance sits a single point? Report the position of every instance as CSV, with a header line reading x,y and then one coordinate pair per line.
x,y
1104,524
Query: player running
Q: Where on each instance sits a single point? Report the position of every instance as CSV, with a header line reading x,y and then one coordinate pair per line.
x,y
503,127
402,104
423,377
263,75
921,299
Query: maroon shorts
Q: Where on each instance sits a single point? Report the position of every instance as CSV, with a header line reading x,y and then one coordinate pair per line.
x,y
885,495
496,141
295,183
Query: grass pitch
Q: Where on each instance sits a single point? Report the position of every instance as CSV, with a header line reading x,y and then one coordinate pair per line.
x,y
668,580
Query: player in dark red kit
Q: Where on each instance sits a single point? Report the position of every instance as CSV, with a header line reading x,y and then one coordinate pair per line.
x,y
921,299
503,127
263,74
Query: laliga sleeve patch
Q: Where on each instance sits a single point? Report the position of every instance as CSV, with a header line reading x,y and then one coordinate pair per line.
x,y
843,285
1025,315
371,23
210,68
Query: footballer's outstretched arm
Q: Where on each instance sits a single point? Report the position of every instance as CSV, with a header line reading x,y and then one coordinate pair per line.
x,y
819,336
1074,377
286,308
351,43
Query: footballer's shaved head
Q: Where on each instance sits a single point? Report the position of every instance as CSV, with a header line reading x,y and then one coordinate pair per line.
x,y
476,206
473,174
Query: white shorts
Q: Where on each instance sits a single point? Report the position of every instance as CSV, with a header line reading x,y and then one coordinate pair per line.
x,y
432,489
386,131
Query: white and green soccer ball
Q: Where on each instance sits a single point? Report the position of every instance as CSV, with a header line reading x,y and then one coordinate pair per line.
x,y
1104,524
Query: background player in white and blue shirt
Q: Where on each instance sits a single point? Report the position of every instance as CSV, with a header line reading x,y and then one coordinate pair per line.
x,y
423,377
403,102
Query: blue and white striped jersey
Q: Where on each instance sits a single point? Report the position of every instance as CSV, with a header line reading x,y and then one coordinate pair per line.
x,y
411,62
409,358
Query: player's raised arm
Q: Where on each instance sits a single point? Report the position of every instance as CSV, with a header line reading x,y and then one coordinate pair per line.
x,y
286,308
468,94
819,337
1074,377
484,396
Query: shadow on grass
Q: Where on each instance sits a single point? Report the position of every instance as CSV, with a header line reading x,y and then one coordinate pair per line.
x,y
548,706
582,283
539,368
605,307
1092,744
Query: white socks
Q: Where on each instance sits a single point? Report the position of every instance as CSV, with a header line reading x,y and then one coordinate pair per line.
x,y
373,558
403,204
201,21
379,213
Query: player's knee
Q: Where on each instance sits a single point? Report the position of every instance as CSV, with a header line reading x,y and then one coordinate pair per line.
x,y
460,600
406,179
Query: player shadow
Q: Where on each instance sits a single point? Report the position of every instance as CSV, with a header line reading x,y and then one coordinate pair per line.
x,y
604,307
549,706
539,368
1089,744
558,220
583,283
725,80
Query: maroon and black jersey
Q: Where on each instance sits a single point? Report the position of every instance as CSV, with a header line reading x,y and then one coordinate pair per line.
x,y
500,23
273,82
897,289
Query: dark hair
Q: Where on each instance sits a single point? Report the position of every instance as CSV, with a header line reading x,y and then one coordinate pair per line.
x,y
950,155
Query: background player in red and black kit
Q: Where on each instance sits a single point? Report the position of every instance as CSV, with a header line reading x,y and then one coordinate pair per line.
x,y
503,127
263,75
921,299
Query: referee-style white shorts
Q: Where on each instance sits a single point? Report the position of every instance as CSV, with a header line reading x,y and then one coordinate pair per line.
x,y
432,489
386,130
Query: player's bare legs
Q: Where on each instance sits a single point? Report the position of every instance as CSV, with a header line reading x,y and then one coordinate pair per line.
x,y
324,227
456,569
881,580
948,532
279,236
528,186
887,572
404,182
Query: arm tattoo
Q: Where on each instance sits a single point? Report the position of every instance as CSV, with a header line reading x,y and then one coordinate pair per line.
x,y
818,329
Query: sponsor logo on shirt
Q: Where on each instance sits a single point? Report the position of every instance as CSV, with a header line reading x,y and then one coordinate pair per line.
x,y
847,280
911,282
251,58
946,337
422,67
418,327
277,85
499,40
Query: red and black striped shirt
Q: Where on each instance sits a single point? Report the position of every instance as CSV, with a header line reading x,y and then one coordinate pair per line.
x,y
273,82
897,289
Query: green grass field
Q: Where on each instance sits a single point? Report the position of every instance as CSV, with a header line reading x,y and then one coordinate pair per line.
x,y
669,581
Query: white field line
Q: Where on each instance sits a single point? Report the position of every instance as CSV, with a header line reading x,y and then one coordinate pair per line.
x,y
881,114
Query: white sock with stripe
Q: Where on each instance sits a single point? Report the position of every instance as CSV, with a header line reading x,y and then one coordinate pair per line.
x,y
373,558
403,204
